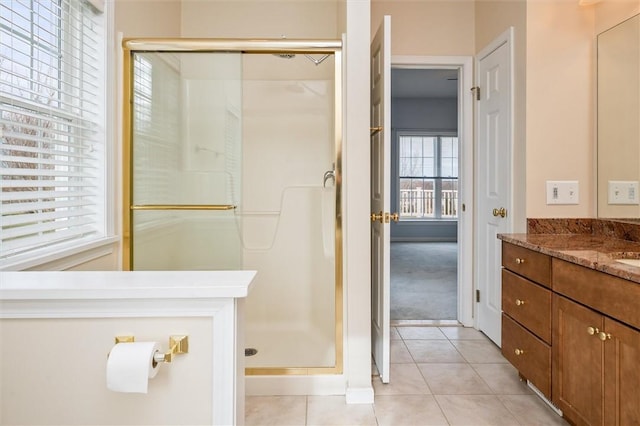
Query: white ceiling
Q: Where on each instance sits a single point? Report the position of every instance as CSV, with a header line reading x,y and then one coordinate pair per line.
x,y
424,83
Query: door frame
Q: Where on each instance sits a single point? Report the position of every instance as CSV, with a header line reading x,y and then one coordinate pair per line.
x,y
464,64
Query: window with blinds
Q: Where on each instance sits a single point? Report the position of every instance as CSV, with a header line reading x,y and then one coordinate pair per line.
x,y
52,105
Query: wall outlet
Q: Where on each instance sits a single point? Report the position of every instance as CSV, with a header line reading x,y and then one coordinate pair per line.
x,y
623,192
563,192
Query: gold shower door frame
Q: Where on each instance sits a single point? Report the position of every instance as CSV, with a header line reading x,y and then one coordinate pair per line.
x,y
266,46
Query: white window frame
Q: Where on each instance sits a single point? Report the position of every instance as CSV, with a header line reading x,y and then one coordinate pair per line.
x,y
437,180
71,253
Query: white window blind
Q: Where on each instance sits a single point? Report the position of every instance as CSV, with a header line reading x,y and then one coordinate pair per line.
x,y
52,105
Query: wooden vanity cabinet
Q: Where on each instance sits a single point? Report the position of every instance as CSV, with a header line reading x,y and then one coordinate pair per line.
x,y
596,376
596,371
526,317
574,333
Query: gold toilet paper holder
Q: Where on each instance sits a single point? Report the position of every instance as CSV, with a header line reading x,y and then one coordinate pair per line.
x,y
178,345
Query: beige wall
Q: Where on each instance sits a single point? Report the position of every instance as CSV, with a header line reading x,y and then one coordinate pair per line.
x,y
55,373
560,104
612,12
260,19
144,18
561,100
432,28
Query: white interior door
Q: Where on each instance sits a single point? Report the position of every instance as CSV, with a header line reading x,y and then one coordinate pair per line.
x,y
380,196
494,146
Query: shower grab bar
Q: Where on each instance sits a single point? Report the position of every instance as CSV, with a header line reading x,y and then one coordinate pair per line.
x,y
183,207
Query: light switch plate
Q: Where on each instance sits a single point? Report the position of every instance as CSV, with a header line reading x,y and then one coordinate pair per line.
x,y
623,192
563,192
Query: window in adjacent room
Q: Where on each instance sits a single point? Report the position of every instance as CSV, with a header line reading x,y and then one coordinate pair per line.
x,y
428,176
52,123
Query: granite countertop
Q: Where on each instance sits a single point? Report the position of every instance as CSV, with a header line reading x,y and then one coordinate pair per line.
x,y
593,251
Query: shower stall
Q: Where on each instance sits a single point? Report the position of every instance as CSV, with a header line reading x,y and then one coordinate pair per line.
x,y
232,160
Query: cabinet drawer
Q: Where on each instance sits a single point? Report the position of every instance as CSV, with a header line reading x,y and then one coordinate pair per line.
x,y
527,303
534,360
528,263
612,296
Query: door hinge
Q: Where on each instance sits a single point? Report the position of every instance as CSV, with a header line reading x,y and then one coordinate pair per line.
x,y
477,296
476,91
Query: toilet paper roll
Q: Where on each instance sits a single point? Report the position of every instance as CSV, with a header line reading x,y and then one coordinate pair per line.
x,y
130,366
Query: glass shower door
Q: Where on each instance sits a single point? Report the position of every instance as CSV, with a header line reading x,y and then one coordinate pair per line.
x,y
234,162
186,161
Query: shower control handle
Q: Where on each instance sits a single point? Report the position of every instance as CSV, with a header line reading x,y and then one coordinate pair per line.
x,y
329,174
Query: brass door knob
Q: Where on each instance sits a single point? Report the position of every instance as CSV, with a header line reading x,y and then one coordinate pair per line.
x,y
395,217
519,302
376,217
519,352
502,212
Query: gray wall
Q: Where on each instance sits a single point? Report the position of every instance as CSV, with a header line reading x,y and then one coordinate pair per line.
x,y
424,115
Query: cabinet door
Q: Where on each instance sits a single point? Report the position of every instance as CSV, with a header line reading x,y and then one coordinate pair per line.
x,y
578,358
621,374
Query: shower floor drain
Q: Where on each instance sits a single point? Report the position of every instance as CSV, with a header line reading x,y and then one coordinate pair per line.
x,y
250,351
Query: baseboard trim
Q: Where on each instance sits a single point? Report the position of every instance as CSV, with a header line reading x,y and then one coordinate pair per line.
x,y
423,240
425,323
360,395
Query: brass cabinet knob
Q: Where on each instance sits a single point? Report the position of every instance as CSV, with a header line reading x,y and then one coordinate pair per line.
x,y
592,331
519,302
519,352
519,261
604,336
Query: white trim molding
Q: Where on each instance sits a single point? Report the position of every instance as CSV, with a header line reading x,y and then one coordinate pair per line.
x,y
216,295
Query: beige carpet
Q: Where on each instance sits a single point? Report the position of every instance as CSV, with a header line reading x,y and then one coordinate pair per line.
x,y
424,281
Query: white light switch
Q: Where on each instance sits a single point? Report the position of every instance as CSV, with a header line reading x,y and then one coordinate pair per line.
x,y
563,192
623,192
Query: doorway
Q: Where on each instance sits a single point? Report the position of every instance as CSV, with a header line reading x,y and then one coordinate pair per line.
x,y
431,179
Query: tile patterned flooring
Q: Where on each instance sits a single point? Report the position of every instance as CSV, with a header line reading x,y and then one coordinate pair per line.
x,y
439,376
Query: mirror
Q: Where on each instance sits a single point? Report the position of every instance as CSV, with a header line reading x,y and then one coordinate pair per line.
x,y
619,120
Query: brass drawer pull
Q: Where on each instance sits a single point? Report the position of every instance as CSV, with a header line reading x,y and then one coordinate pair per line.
x,y
604,336
519,302
592,331
519,261
519,352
